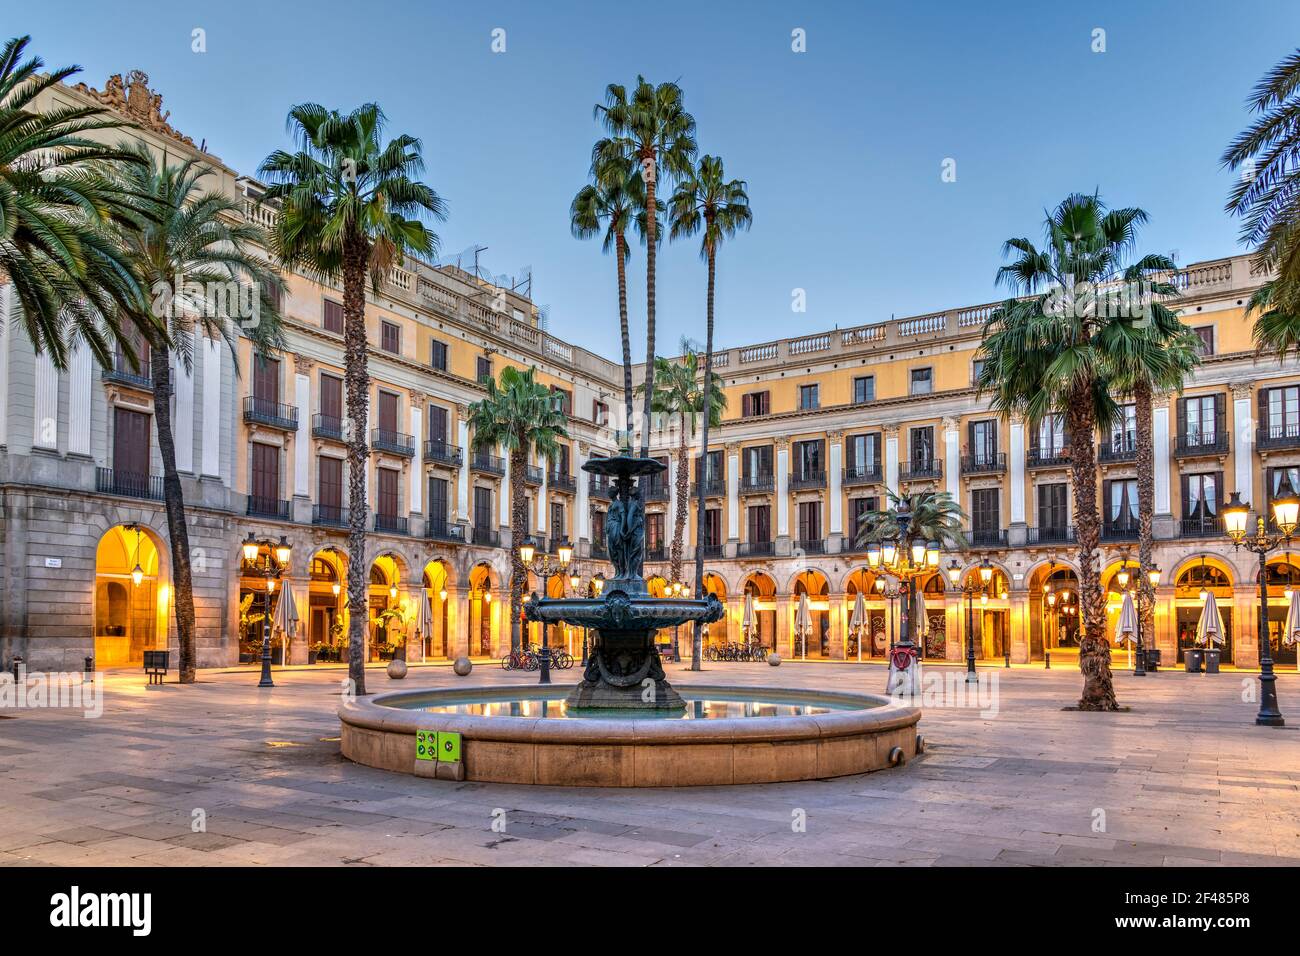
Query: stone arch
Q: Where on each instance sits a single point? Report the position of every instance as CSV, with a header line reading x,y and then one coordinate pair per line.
x,y
1212,559
130,617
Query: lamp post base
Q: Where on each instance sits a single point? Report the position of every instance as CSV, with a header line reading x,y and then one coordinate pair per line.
x,y
1270,720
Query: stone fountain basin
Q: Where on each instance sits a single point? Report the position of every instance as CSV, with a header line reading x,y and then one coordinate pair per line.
x,y
636,752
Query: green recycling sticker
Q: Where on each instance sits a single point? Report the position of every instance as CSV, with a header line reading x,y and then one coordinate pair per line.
x,y
437,745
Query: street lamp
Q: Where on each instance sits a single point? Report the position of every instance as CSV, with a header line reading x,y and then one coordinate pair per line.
x,y
1236,515
544,566
277,560
969,588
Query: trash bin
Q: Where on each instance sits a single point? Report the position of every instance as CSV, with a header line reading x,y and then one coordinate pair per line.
x,y
1193,658
1153,659
1211,660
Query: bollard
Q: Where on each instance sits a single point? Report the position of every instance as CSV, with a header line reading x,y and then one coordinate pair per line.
x,y
1047,660
89,675
19,669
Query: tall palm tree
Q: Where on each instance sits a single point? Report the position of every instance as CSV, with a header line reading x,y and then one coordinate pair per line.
x,y
653,132
1147,357
1048,352
607,206
350,205
706,202
188,251
679,393
58,204
1267,194
520,414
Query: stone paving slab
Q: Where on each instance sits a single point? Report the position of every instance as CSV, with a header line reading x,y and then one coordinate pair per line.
x,y
1184,778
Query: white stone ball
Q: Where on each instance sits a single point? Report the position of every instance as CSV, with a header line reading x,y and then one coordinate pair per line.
x,y
397,669
462,667
774,659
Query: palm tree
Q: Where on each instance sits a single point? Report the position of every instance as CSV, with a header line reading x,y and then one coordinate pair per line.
x,y
188,252
614,199
1267,194
1277,329
1049,352
679,394
707,202
58,204
519,414
350,206
653,132
1149,357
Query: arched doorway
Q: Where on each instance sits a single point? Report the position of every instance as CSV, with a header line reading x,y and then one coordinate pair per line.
x,y
1053,611
130,597
985,613
388,616
760,590
326,600
1283,578
1193,586
481,599
933,637
715,633
817,642
436,580
881,613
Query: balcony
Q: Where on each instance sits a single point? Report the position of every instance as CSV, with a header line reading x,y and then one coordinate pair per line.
x,y
984,463
1201,443
1286,435
599,486
920,470
1118,448
327,426
486,537
1061,535
264,411
856,475
809,479
1119,530
441,453
533,475
755,549
987,537
810,546
123,374
713,487
654,488
561,481
267,508
1206,526
1048,456
395,443
489,464
329,516
439,529
711,552
756,484
129,484
656,552
392,524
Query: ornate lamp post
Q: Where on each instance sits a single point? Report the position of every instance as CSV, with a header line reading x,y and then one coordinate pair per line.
x,y
544,566
970,588
277,561
907,557
1236,516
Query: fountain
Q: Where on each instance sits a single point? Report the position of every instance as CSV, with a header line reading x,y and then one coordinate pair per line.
x,y
624,724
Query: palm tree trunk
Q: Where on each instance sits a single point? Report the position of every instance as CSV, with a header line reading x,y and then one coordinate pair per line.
x,y
518,521
177,531
357,380
1094,651
697,645
649,309
1146,486
683,494
620,250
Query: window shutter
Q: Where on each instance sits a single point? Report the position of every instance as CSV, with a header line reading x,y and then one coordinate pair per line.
x,y
747,405
1182,418
1185,491
850,453
1220,415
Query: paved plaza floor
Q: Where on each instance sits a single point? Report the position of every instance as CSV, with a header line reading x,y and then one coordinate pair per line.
x,y
1183,778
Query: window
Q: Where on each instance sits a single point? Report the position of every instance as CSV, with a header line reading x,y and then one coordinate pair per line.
x,y
807,397
984,510
387,500
559,528
329,480
331,400
755,403
266,379
983,438
758,461
560,463
810,520
922,381
438,423
864,389
654,531
1123,433
439,498
390,337
1199,419
1206,334
1051,435
759,523
130,447
266,474
976,370
438,355
482,369
1201,496
563,398
808,458
859,509
332,316
599,412
598,527
713,527
483,508
713,469
1281,411
922,446
863,454
388,412
1120,504
1053,511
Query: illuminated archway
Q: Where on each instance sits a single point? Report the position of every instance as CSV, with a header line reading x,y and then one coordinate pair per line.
x,y
759,589
327,599
1053,609
436,582
483,593
817,641
131,596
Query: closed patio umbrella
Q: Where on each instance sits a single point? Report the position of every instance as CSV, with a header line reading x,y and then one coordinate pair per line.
x,y
858,621
1292,632
920,624
1126,627
423,620
747,623
803,624
1210,626
286,617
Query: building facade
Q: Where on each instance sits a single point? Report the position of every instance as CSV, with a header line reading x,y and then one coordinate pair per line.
x,y
817,428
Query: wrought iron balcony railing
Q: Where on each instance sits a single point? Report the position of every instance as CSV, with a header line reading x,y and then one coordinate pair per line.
x,y
1047,456
862,475
1051,535
264,411
921,469
439,529
441,452
487,537
381,439
561,481
806,480
1206,526
327,426
391,524
268,508
331,516
1201,443
757,484
488,464
129,484
1118,448
755,549
984,463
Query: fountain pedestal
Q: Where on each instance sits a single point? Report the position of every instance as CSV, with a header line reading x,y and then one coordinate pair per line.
x,y
624,672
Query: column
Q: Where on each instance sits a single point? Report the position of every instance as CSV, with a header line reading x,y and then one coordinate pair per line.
x,y
891,457
210,461
1160,445
45,417
583,518
417,463
462,478
733,492
1244,432
952,457
302,439
79,376
835,475
783,488
183,419
1017,463
785,627
459,621
839,618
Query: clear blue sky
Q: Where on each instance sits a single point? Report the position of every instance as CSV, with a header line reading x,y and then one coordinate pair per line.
x,y
841,145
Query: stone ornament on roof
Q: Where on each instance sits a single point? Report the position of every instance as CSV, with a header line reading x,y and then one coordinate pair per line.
x,y
135,100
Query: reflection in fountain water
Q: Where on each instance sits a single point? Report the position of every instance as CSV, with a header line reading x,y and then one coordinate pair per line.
x,y
713,708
